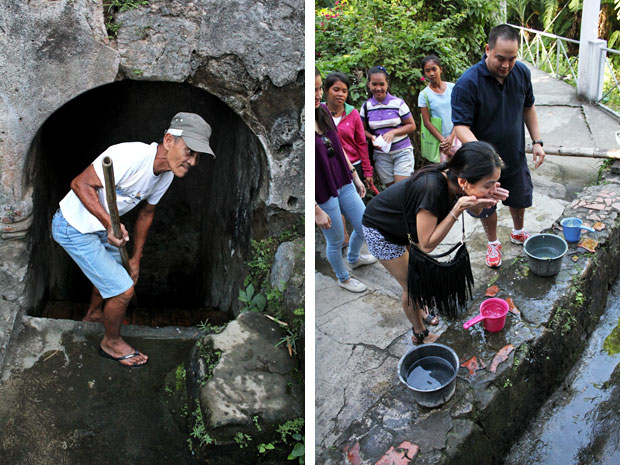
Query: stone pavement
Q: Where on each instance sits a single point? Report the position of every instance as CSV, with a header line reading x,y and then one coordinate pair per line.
x,y
360,337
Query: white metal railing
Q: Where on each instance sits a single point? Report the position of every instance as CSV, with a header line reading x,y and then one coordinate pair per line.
x,y
539,52
610,70
543,55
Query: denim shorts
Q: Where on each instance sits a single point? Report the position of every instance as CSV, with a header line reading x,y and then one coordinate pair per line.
x,y
392,164
99,260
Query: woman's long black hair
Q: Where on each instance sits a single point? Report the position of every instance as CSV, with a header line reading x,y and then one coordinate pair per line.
x,y
473,161
321,114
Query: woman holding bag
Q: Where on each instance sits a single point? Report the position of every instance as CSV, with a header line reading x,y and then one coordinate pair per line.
x,y
414,216
439,141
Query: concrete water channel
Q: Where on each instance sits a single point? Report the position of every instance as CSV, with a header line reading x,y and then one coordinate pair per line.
x,y
580,423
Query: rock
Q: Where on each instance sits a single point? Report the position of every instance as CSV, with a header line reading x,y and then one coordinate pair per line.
x,y
287,274
244,387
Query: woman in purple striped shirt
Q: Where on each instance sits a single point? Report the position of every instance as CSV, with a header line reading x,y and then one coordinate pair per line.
x,y
388,123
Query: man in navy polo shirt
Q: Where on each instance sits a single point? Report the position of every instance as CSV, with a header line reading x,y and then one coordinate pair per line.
x,y
490,102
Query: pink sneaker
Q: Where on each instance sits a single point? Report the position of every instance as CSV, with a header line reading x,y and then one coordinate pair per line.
x,y
519,238
494,255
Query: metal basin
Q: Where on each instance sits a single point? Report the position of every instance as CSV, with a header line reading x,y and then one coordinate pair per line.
x,y
429,371
544,253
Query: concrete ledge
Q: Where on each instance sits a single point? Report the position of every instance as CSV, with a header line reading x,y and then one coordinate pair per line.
x,y
490,410
49,332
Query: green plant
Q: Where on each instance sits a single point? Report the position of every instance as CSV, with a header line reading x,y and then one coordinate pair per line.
x,y
291,427
252,302
291,342
181,375
299,450
208,328
256,423
242,439
263,448
354,35
507,383
199,430
211,358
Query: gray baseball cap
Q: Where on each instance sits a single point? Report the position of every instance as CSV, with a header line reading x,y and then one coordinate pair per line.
x,y
194,130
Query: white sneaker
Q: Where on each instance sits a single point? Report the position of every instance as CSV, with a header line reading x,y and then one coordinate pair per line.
x,y
352,285
363,260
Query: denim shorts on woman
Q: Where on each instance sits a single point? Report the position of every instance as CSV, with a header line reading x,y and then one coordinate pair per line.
x,y
99,260
399,163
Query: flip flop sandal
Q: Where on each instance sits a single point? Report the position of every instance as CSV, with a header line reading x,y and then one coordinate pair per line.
x,y
104,354
431,318
418,338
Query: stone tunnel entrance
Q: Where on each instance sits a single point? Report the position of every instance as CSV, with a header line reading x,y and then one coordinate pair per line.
x,y
194,258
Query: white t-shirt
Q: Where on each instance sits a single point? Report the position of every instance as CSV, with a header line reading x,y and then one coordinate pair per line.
x,y
135,181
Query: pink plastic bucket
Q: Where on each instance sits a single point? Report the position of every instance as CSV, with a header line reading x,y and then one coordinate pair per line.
x,y
493,313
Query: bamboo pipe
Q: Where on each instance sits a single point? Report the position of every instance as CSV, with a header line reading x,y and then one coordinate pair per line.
x,y
587,152
110,194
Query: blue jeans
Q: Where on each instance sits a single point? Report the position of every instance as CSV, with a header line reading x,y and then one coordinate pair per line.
x,y
349,204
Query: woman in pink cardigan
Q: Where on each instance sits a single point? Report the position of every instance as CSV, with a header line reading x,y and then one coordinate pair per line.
x,y
350,129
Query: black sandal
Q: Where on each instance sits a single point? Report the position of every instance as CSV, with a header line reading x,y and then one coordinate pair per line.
x,y
419,337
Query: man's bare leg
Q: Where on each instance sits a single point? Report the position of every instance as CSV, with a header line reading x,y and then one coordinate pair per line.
x,y
518,217
112,343
490,226
95,308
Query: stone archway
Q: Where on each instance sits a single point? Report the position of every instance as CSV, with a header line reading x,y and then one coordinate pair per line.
x,y
197,248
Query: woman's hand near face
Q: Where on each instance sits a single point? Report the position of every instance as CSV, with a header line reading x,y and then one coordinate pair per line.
x,y
321,218
470,202
499,193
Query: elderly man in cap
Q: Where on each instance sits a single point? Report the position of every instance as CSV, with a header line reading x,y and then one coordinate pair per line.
x,y
82,225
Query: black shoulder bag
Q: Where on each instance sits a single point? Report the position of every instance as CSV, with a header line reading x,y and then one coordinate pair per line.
x,y
371,147
446,284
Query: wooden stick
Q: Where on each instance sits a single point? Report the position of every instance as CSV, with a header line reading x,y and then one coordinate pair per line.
x,y
110,194
587,152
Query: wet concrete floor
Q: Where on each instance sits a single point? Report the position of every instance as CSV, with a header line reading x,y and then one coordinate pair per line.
x,y
68,406
580,423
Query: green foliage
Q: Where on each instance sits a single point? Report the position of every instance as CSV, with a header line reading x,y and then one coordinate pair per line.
x,y
263,448
180,377
242,439
290,428
252,302
299,450
199,430
355,35
211,358
208,328
256,423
